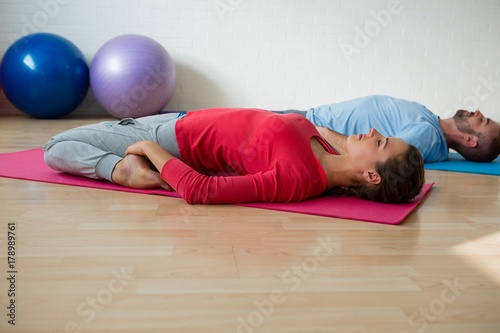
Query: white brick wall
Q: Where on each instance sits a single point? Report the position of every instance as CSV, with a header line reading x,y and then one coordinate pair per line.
x,y
279,54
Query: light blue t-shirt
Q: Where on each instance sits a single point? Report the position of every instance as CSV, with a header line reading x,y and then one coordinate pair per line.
x,y
407,120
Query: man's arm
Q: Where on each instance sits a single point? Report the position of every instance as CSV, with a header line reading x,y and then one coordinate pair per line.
x,y
337,140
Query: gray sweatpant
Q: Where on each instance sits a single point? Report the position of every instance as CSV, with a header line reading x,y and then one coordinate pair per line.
x,y
94,150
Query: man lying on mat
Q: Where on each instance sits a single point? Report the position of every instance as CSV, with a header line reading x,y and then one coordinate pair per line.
x,y
216,156
472,135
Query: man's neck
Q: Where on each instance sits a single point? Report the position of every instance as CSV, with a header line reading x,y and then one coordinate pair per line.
x,y
449,129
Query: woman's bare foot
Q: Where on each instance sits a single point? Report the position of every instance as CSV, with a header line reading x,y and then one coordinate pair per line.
x,y
135,171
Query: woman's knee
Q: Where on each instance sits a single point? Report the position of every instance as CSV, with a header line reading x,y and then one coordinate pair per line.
x,y
49,145
55,150
49,152
68,136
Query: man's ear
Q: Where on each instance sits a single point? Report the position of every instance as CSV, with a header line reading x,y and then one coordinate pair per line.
x,y
470,140
372,177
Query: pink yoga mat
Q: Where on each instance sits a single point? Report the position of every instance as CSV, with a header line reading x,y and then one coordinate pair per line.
x,y
29,165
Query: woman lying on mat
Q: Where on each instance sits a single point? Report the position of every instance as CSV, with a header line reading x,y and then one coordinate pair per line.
x,y
217,156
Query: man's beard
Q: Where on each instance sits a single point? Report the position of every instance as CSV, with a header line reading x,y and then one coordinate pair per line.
x,y
462,123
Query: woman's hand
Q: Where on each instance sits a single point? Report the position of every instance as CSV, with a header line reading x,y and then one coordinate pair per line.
x,y
139,148
135,171
152,151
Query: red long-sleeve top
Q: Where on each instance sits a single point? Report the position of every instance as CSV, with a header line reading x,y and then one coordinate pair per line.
x,y
245,155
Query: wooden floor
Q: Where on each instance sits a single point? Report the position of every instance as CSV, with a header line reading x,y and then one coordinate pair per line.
x,y
100,261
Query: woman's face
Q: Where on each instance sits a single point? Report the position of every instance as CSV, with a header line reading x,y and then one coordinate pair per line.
x,y
366,150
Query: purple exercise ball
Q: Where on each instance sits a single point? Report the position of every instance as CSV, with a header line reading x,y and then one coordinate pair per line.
x,y
132,76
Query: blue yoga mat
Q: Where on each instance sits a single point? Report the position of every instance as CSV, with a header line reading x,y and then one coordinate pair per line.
x,y
457,163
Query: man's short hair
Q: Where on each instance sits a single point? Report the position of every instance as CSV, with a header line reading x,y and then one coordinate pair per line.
x,y
486,150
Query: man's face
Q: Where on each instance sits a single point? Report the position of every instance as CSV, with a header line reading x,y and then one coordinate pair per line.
x,y
475,122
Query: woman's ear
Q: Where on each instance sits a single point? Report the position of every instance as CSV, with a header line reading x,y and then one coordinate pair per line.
x,y
372,177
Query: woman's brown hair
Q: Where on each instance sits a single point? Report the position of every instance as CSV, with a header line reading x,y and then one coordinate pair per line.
x,y
402,179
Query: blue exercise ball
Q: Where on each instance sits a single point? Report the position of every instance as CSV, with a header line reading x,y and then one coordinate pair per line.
x,y
44,75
